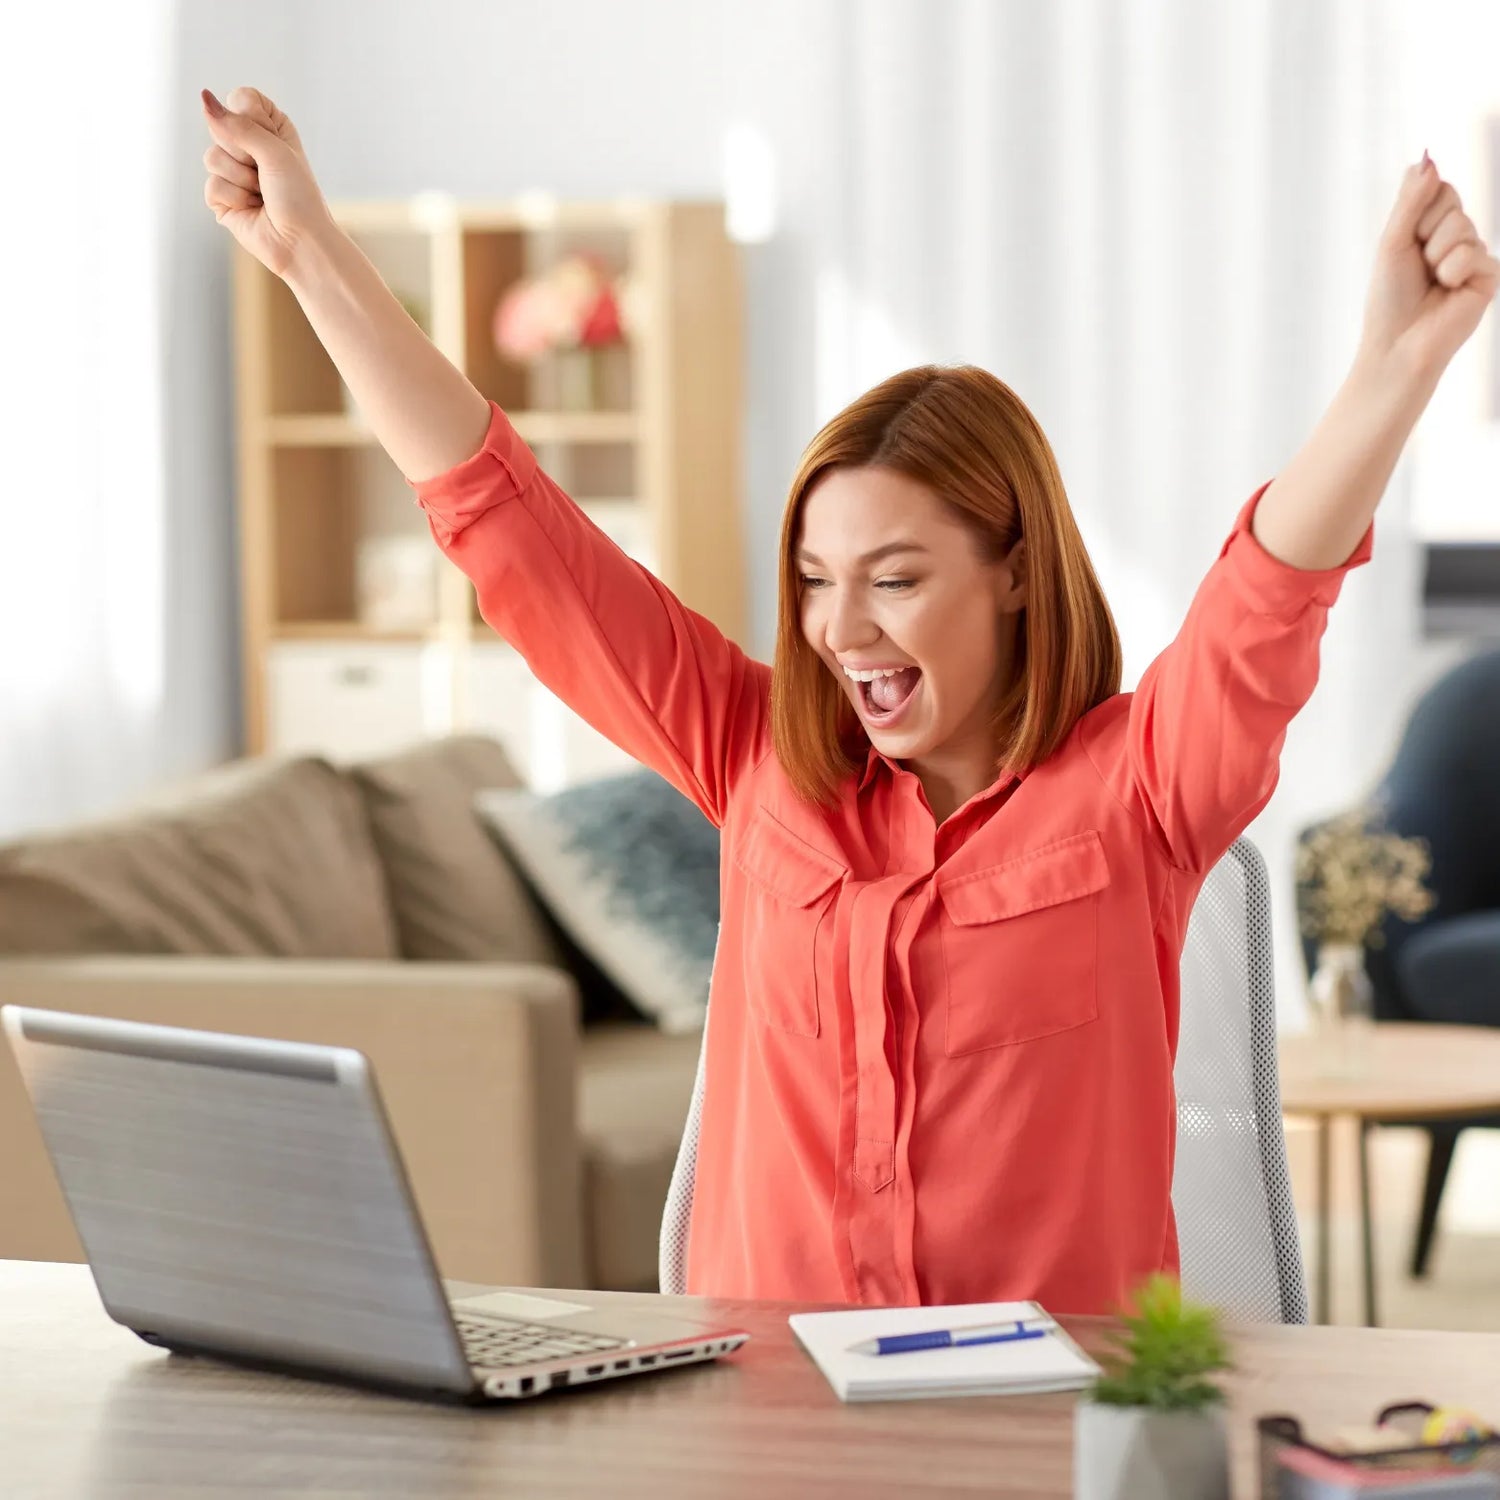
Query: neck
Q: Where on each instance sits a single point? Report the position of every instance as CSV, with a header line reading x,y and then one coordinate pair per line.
x,y
964,764
950,780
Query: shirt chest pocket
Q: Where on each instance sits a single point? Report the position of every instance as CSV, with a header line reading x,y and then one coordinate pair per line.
x,y
790,893
1021,945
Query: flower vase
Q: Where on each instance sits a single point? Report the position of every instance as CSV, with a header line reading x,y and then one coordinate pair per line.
x,y
577,378
1343,1008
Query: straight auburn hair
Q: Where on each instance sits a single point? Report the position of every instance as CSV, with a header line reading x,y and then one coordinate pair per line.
x,y
974,443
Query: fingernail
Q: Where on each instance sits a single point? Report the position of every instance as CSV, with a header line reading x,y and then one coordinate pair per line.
x,y
213,106
1426,159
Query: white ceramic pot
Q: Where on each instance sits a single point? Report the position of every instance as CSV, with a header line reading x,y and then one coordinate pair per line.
x,y
1134,1453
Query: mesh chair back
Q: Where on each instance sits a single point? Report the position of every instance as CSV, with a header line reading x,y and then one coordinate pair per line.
x,y
1235,1221
1236,1225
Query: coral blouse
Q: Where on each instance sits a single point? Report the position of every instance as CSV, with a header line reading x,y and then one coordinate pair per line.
x,y
939,1059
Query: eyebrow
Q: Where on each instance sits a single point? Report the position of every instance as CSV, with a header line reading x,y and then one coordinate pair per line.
x,y
803,555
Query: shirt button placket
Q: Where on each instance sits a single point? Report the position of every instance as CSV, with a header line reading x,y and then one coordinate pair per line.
x,y
872,1216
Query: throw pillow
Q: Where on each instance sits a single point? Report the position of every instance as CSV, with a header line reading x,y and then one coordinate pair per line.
x,y
630,870
265,857
454,893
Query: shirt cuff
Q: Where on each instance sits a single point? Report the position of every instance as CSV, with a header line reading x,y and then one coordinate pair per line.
x,y
1274,587
499,471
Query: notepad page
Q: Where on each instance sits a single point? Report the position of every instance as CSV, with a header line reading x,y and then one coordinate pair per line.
x,y
1051,1363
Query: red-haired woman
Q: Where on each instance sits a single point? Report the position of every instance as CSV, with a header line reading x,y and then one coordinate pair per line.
x,y
958,862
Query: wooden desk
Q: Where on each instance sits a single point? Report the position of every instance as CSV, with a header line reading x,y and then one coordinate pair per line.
x,y
1414,1071
87,1410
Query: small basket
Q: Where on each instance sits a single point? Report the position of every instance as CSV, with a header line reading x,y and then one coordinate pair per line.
x,y
1292,1468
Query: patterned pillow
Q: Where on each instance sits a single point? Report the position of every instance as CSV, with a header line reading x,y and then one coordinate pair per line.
x,y
629,868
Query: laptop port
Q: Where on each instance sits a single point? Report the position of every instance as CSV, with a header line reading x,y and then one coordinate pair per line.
x,y
527,1382
622,1364
678,1354
595,1370
648,1359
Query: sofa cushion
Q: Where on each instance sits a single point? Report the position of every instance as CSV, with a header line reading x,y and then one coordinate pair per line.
x,y
264,857
630,869
634,1088
454,893
1448,969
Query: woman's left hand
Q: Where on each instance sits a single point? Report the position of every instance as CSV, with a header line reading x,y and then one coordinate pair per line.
x,y
1434,277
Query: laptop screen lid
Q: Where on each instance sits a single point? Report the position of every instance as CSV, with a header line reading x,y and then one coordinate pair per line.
x,y
239,1194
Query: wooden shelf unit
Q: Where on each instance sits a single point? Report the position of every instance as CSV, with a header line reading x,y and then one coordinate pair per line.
x,y
656,460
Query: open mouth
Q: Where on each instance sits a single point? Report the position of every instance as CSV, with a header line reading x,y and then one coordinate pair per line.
x,y
885,699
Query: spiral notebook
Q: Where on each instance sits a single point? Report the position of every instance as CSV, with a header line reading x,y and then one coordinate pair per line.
x,y
1053,1363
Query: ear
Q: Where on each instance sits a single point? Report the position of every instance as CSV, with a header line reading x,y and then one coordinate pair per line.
x,y
1015,567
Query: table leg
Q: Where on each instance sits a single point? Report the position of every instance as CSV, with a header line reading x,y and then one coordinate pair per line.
x,y
1367,1222
1322,1312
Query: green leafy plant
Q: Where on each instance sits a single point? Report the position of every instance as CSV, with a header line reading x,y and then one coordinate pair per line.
x,y
1165,1353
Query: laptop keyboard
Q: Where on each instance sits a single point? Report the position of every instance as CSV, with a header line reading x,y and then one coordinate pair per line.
x,y
492,1342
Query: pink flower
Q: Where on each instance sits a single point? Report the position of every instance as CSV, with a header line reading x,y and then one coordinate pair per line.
x,y
573,304
602,326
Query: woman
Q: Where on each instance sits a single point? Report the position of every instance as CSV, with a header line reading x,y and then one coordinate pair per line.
x,y
958,863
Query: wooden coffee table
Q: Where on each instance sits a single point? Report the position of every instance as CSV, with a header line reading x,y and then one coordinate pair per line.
x,y
1414,1072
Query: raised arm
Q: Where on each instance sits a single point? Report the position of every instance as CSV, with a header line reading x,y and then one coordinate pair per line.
x,y
1196,754
1433,279
423,410
608,638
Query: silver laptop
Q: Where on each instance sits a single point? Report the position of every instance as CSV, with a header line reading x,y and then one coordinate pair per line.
x,y
244,1199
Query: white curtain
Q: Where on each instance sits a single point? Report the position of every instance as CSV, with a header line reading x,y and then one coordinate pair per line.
x,y
85,105
1156,222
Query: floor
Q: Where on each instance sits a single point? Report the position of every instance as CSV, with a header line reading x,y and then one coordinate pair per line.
x,y
1462,1287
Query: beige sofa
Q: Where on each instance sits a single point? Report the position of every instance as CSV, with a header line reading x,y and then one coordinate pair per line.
x,y
364,906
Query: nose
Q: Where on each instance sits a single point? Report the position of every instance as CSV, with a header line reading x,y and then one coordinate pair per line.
x,y
848,624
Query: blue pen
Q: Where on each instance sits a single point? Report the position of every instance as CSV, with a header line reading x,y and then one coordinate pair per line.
x,y
955,1338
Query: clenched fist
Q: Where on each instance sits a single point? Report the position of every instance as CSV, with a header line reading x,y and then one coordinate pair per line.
x,y
260,185
1434,277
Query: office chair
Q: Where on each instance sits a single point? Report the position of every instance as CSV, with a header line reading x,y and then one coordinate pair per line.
x,y
1443,785
1236,1225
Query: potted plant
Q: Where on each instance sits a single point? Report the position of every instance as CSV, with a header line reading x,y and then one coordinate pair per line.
x,y
1350,872
1152,1426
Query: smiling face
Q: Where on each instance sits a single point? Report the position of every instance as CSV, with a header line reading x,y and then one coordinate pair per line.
x,y
918,626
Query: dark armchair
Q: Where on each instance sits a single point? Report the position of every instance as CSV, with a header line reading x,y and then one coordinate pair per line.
x,y
1444,786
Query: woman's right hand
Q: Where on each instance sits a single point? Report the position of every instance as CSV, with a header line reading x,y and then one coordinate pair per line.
x,y
260,185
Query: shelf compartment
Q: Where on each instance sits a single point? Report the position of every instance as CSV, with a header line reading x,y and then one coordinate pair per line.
x,y
352,554
301,377
314,530
492,262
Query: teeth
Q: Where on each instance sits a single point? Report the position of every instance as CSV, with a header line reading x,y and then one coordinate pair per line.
x,y
871,676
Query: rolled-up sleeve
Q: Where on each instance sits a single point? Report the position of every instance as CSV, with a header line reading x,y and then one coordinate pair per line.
x,y
1197,755
603,633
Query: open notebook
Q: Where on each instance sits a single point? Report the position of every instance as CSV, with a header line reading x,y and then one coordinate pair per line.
x,y
1054,1363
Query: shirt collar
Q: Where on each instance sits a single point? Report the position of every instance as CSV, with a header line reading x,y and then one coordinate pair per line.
x,y
872,764
874,760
